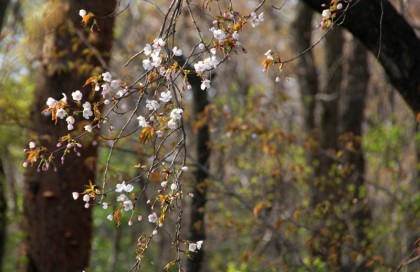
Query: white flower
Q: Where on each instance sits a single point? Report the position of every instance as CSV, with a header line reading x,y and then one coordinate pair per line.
x,y
184,168
268,55
60,113
147,65
64,97
107,101
154,232
153,218
165,96
70,122
124,187
152,105
128,205
177,51
142,121
172,124
25,164
199,244
205,84
110,217
192,247
87,113
105,205
51,102
121,198
82,13
174,187
156,60
77,95
176,114
87,205
88,128
75,195
326,14
86,198
201,46
163,184
147,49
32,145
256,20
213,51
106,88
219,35
107,76
158,43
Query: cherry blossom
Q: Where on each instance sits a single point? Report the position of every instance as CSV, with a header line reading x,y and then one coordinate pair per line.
x,y
142,121
77,95
165,96
176,114
124,187
128,205
205,84
177,52
152,105
172,124
82,13
256,20
51,102
60,113
152,218
107,76
75,195
70,122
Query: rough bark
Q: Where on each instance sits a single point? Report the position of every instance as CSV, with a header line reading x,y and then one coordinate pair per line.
x,y
352,105
59,228
378,25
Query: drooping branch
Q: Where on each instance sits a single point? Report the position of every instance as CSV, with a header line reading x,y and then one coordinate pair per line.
x,y
386,33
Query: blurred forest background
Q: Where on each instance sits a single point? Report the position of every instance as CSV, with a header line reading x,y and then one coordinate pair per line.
x,y
316,171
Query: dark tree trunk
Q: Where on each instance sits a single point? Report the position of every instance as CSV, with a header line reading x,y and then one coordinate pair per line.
x,y
59,228
353,104
306,69
324,192
3,7
198,203
386,33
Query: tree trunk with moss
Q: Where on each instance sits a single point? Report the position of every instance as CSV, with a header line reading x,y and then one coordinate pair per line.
x,y
59,228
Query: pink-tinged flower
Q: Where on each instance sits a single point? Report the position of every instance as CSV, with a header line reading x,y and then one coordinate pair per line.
x,y
153,218
32,145
174,187
110,217
159,42
340,6
159,133
105,205
70,122
77,95
201,46
124,187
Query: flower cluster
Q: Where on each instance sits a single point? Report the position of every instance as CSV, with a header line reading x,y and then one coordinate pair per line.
x,y
329,15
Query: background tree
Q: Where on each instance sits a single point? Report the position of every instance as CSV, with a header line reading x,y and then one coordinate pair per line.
x,y
54,220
